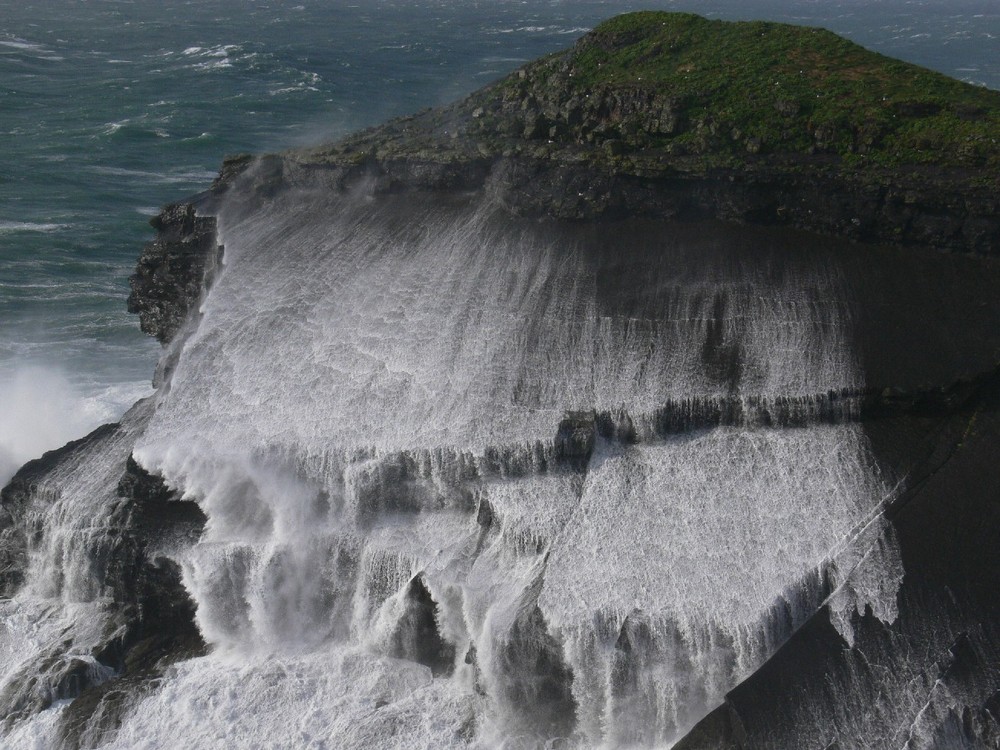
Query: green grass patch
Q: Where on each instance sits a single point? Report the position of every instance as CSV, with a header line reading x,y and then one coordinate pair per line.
x,y
772,87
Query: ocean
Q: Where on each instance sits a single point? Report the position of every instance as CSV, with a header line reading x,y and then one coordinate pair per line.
x,y
111,108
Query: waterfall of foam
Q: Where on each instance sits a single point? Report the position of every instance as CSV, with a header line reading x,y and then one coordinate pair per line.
x,y
703,553
530,479
356,326
72,555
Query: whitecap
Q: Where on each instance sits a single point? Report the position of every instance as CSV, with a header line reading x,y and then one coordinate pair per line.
x,y
113,127
28,226
214,65
21,44
195,175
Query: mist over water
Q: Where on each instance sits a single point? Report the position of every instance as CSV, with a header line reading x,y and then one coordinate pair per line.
x,y
43,409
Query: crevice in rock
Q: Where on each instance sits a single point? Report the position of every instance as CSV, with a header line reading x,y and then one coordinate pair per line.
x,y
417,636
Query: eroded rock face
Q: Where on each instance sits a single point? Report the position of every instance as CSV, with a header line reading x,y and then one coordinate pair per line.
x,y
16,499
156,614
173,270
541,684
615,126
913,382
417,636
132,616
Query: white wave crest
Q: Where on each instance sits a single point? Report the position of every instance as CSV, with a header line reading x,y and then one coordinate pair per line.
x,y
7,227
43,410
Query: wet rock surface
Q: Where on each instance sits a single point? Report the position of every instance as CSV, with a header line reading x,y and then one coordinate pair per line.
x,y
15,502
144,615
925,330
930,679
173,271
417,635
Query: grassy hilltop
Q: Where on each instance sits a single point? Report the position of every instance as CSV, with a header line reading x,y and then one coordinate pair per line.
x,y
650,92
674,115
725,89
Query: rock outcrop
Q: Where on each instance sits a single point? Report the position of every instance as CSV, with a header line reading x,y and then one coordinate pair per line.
x,y
940,660
905,157
673,116
142,617
174,270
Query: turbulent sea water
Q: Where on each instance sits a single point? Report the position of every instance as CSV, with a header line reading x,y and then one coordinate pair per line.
x,y
109,109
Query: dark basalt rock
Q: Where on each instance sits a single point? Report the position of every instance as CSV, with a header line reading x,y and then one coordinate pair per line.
x,y
157,617
921,206
568,138
15,498
152,507
539,684
575,438
151,619
417,636
931,678
174,270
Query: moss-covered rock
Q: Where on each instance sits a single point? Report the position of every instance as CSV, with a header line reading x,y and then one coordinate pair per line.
x,y
671,114
682,83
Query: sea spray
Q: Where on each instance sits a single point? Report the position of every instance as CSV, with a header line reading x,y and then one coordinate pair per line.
x,y
549,481
43,409
368,412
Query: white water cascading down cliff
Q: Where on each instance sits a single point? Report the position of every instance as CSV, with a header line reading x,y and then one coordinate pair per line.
x,y
472,481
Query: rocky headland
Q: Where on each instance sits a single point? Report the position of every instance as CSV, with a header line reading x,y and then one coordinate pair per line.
x,y
675,116
671,116
651,117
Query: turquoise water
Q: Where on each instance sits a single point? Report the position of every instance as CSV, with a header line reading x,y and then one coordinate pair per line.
x,y
110,109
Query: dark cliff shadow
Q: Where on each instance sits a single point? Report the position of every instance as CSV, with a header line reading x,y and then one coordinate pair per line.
x,y
926,326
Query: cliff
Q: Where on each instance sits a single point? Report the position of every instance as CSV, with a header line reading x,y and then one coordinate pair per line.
x,y
702,261
673,115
